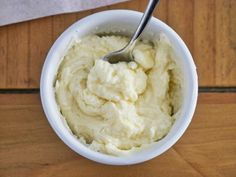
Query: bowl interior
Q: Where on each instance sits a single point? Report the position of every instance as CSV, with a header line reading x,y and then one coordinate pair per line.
x,y
121,22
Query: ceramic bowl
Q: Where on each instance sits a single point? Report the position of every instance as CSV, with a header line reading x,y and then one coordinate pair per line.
x,y
122,22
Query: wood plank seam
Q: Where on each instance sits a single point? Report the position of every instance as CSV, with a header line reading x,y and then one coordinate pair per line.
x,y
200,90
189,163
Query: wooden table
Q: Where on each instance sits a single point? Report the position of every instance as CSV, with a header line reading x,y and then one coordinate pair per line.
x,y
28,145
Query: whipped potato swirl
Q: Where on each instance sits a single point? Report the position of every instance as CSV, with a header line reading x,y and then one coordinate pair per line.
x,y
118,108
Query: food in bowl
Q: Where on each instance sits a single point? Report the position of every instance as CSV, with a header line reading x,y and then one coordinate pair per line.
x,y
119,108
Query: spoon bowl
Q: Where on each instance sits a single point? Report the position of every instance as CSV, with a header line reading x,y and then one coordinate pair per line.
x,y
125,54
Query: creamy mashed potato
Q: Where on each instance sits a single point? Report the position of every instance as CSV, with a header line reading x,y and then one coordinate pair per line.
x,y
117,108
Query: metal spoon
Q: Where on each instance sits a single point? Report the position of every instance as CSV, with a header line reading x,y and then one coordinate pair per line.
x,y
125,54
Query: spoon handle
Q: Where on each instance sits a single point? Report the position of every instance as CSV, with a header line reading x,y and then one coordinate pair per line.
x,y
145,19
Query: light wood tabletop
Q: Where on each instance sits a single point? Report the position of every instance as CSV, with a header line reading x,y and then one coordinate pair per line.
x,y
29,146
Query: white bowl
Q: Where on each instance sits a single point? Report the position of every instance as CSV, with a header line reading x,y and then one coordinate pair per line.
x,y
124,22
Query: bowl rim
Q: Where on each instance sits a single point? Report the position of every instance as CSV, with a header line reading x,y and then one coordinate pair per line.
x,y
69,139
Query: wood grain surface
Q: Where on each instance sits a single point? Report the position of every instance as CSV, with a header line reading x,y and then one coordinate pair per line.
x,y
29,147
207,26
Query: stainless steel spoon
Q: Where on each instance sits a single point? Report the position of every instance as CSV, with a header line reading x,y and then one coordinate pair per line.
x,y
125,54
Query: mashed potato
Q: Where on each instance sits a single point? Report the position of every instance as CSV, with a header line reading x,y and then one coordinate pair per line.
x,y
117,108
